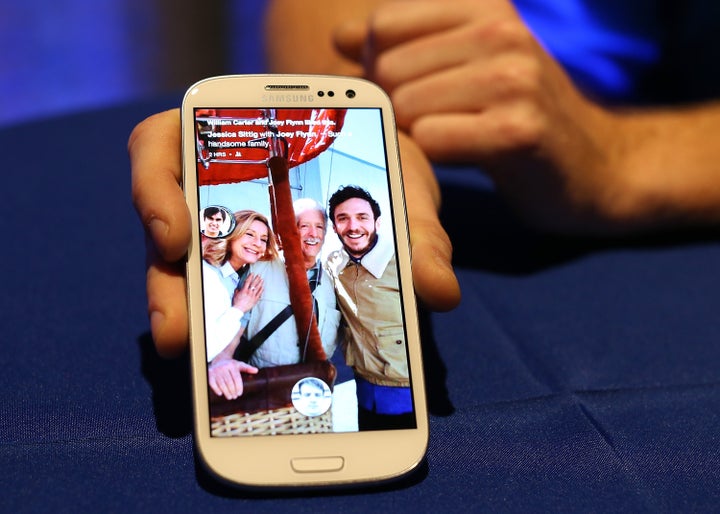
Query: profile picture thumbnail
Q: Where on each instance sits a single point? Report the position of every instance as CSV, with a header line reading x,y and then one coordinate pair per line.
x,y
216,221
311,396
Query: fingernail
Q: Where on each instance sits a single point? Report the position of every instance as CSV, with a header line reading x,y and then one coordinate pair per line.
x,y
157,228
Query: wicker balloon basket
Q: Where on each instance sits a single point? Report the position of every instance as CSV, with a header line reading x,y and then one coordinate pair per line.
x,y
286,420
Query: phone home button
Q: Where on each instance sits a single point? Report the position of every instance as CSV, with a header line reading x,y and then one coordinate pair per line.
x,y
317,464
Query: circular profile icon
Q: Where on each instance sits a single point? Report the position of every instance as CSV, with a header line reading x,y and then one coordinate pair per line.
x,y
216,221
311,396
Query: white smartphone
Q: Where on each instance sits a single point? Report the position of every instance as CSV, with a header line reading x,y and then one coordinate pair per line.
x,y
304,335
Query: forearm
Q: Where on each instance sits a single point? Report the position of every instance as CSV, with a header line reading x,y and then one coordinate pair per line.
x,y
671,164
224,333
229,351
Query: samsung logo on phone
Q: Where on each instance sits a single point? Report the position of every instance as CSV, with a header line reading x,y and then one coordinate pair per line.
x,y
288,98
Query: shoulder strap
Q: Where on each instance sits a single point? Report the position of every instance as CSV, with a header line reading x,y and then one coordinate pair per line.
x,y
248,346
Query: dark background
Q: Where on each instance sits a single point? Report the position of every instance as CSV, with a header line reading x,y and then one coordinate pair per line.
x,y
73,55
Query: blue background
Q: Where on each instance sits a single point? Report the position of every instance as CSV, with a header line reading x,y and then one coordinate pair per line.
x,y
71,55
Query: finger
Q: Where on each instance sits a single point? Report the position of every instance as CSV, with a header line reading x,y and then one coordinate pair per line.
x,y
349,39
214,385
236,382
256,288
434,37
471,88
227,389
167,305
433,277
484,138
425,55
247,368
154,149
252,288
250,281
257,281
401,21
223,380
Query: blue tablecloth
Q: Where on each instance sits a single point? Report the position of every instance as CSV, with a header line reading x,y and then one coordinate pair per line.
x,y
576,376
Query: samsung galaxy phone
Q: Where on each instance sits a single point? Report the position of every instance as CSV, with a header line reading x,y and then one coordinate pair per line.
x,y
304,335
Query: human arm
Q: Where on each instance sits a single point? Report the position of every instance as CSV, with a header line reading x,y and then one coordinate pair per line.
x,y
224,330
224,376
223,315
470,83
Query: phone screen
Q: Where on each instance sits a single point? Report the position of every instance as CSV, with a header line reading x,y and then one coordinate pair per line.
x,y
304,322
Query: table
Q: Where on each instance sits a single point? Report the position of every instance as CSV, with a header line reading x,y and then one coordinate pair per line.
x,y
576,375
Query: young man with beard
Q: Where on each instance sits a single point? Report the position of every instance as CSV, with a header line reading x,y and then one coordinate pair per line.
x,y
365,274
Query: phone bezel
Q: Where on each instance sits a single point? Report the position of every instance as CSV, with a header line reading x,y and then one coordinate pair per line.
x,y
368,456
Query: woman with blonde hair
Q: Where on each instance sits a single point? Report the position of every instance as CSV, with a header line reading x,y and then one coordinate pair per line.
x,y
230,292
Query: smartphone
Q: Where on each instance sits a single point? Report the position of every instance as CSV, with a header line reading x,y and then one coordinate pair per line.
x,y
305,347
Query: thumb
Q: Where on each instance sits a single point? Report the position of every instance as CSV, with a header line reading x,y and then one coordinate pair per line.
x,y
247,368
